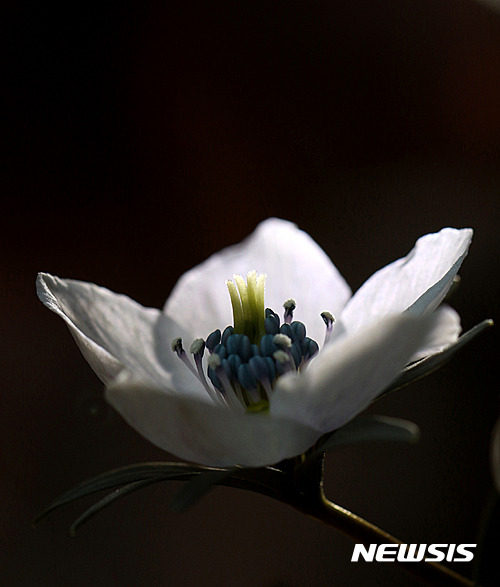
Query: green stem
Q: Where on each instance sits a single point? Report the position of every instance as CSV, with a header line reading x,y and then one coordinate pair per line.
x,y
364,532
305,493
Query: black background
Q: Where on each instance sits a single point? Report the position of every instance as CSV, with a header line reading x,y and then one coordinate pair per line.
x,y
141,137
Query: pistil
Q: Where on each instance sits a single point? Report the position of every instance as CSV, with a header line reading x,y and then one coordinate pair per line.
x,y
247,300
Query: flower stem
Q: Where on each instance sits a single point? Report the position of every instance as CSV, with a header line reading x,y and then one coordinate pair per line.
x,y
306,494
364,532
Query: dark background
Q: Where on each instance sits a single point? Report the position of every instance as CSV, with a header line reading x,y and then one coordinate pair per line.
x,y
141,137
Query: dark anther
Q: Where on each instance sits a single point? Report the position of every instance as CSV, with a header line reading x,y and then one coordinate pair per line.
x,y
289,306
213,340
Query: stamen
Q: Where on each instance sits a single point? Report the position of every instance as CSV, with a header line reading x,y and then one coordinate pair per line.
x,y
329,321
229,390
198,349
214,361
289,306
282,340
283,364
286,329
230,366
298,331
220,350
272,322
272,325
218,377
181,353
177,346
310,349
267,345
260,368
228,331
213,340
296,353
232,344
271,368
245,348
249,382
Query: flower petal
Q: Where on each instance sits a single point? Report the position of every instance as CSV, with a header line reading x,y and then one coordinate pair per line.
x,y
349,372
203,433
445,332
417,282
296,267
111,330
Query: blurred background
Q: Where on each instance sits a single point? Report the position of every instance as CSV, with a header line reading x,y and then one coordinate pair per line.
x,y
140,137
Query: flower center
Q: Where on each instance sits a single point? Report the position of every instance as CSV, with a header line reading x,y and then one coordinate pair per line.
x,y
246,359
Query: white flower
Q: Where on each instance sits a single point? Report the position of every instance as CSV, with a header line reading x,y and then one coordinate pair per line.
x,y
392,320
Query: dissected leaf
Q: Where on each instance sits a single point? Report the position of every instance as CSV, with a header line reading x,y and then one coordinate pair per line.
x,y
124,476
196,488
109,499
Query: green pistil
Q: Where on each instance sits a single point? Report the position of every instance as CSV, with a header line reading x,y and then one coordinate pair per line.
x,y
258,407
247,300
238,318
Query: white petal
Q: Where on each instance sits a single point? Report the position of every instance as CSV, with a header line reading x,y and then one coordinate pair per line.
x,y
445,331
296,267
111,330
350,372
203,433
417,282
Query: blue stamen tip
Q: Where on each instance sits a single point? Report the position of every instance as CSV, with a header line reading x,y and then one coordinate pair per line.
x,y
259,368
287,330
271,368
267,345
272,325
215,380
228,331
296,351
213,340
309,348
245,348
298,331
235,362
246,377
232,344
220,350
